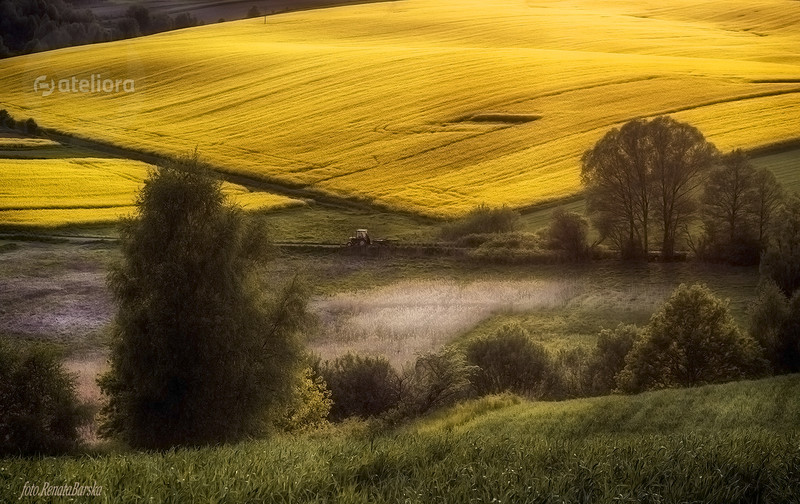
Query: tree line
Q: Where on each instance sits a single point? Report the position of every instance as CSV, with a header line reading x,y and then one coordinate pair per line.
x,y
649,183
28,26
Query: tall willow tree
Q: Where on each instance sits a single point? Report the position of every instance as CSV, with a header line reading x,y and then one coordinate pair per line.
x,y
199,354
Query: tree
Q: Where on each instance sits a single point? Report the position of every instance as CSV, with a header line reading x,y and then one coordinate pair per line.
x,y
199,354
680,158
645,173
781,260
729,212
253,12
39,410
775,325
728,196
568,232
361,386
609,355
509,360
618,187
692,340
768,198
738,203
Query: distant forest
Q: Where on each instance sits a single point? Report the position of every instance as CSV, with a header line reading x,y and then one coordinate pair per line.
x,y
28,26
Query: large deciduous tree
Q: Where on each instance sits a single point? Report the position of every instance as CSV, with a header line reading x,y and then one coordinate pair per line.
x,y
781,260
738,203
643,174
199,355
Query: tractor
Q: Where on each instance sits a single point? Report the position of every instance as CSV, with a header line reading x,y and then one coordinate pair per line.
x,y
361,239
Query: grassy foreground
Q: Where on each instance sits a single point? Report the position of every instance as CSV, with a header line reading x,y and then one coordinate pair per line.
x,y
370,101
737,442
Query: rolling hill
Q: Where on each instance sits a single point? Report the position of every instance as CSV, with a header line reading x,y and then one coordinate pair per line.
x,y
431,106
736,442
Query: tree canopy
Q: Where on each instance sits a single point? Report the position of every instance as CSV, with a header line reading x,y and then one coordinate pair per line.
x,y
200,354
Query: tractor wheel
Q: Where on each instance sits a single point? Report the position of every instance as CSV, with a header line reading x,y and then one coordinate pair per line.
x,y
362,243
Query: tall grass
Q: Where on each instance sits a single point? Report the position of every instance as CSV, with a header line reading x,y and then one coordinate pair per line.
x,y
402,320
731,443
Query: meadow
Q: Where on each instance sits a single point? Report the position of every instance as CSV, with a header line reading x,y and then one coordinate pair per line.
x,y
47,184
497,102
715,444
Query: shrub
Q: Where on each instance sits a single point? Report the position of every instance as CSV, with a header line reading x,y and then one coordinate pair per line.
x,y
253,12
200,355
508,361
781,260
39,411
310,404
4,117
361,386
608,358
692,340
436,380
481,220
568,233
569,375
775,325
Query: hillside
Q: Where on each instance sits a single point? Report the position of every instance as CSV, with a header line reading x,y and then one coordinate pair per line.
x,y
432,106
48,184
717,444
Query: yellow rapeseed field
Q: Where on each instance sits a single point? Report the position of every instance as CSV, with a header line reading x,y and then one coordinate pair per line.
x,y
64,191
432,106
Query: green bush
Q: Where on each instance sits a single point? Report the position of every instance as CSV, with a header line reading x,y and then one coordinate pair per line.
x,y
509,360
781,260
608,358
775,325
482,219
569,375
310,404
39,411
692,340
568,233
361,386
436,380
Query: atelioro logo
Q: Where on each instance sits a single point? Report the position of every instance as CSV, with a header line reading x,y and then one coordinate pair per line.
x,y
94,84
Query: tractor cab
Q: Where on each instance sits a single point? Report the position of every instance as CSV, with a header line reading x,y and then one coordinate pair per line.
x,y
361,239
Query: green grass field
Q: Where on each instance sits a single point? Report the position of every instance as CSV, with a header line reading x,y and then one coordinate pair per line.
x,y
431,106
730,443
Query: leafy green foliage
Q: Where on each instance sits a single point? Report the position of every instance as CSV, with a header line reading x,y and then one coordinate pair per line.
x,y
199,354
608,358
361,386
310,404
692,340
775,325
39,411
436,380
509,360
645,174
481,220
781,261
568,233
738,204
